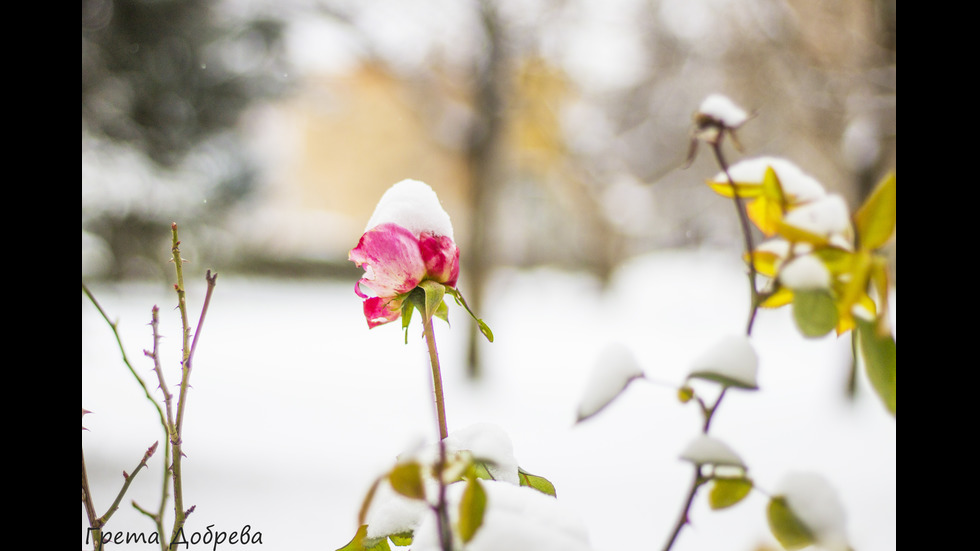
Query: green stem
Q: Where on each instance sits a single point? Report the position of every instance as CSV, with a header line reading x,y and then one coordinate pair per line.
x,y
430,340
445,536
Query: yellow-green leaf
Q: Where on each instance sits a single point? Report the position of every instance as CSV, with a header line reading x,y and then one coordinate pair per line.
x,y
880,355
728,491
744,189
402,539
875,220
767,210
472,506
815,312
786,527
361,543
539,483
406,479
780,297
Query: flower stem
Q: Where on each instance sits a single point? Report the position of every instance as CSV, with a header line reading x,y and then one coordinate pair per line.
x,y
430,340
445,536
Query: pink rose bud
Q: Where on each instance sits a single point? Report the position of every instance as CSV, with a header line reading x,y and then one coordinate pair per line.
x,y
408,240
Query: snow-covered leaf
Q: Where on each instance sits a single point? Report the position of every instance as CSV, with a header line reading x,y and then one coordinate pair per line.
x,y
707,450
515,518
786,527
616,368
361,543
822,217
812,502
805,273
732,361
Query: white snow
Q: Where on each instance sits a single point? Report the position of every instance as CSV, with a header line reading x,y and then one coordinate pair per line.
x,y
392,513
613,371
414,206
799,185
732,358
489,442
516,518
825,216
296,408
815,502
805,273
706,450
721,108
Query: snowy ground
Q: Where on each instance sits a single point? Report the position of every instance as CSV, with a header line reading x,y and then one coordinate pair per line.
x,y
296,406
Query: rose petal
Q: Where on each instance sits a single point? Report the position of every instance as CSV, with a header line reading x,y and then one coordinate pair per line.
x,y
441,257
392,260
379,311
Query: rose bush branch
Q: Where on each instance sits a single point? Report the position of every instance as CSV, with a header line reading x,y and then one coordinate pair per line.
x,y
97,522
171,422
158,516
180,514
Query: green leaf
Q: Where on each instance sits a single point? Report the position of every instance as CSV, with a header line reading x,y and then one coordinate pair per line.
x,y
728,491
407,309
539,483
786,527
402,539
875,220
472,506
442,312
719,378
434,291
814,311
406,479
484,328
481,471
360,542
880,355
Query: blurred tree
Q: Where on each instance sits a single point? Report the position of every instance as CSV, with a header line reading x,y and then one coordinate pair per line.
x,y
164,84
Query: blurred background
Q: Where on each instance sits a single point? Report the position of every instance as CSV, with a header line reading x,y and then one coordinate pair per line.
x,y
554,131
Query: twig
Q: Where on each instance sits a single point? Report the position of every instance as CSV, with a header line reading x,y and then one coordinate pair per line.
x,y
709,413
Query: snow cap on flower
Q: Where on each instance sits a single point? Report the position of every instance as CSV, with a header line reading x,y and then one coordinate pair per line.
x,y
414,206
723,110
